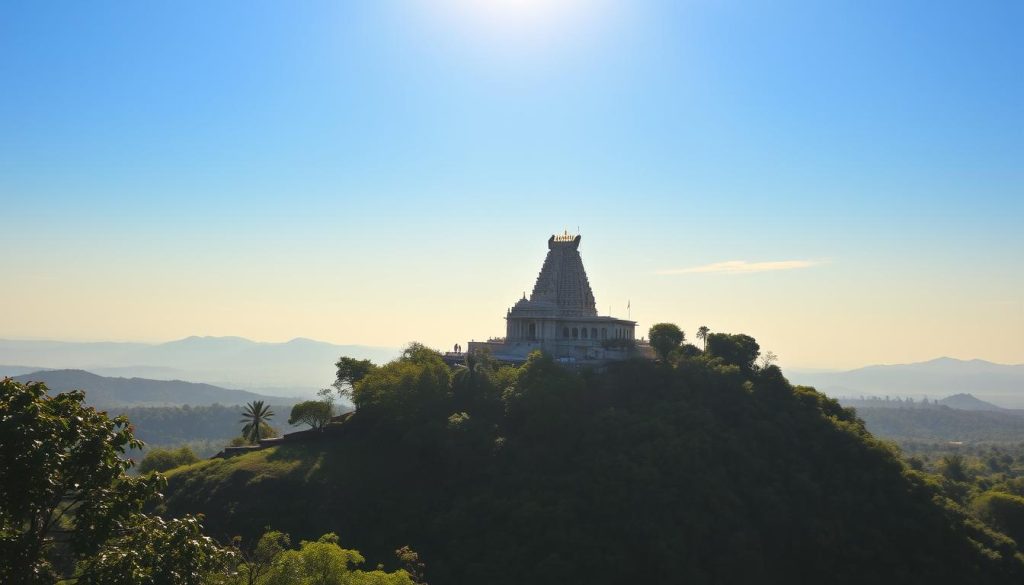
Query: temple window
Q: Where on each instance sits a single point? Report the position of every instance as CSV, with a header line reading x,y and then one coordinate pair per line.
x,y
533,331
575,333
593,332
565,332
584,333
604,333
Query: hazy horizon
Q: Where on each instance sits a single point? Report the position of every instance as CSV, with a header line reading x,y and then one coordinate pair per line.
x,y
398,348
843,183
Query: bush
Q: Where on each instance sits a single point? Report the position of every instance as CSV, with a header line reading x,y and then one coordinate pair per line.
x,y
1003,511
164,459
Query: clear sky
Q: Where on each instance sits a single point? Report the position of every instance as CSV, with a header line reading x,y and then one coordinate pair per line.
x,y
842,180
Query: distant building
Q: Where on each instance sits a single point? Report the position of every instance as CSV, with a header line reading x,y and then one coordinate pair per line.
x,y
560,317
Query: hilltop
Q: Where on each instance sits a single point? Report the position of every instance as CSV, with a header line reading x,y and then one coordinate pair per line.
x,y
710,470
969,402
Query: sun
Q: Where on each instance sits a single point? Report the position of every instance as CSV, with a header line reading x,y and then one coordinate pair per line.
x,y
519,25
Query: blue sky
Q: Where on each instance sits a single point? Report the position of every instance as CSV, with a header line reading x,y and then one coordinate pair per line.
x,y
379,172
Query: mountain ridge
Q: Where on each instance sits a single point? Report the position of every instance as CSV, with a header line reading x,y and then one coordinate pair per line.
x,y
1001,384
111,392
296,367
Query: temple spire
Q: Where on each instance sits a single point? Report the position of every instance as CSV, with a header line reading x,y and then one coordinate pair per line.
x,y
563,280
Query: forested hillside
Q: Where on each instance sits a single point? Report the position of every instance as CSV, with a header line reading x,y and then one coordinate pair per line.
x,y
204,429
943,424
705,470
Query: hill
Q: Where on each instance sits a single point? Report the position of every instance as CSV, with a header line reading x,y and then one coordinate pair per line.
x,y
105,393
204,429
705,472
999,383
968,402
12,371
297,367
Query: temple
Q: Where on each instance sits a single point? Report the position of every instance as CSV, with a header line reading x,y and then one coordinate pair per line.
x,y
560,317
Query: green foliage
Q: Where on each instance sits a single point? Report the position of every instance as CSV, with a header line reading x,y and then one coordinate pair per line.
x,y
738,350
255,416
176,425
953,467
164,459
61,476
315,413
702,334
709,471
257,560
154,552
64,492
1003,511
238,442
916,421
416,385
685,351
320,562
350,372
664,338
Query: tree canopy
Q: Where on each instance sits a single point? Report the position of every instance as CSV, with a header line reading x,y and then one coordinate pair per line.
x,y
664,338
704,470
738,350
164,459
315,413
64,494
256,416
415,385
350,372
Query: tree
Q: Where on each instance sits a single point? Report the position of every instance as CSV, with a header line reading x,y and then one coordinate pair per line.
x,y
415,386
156,551
255,417
315,413
738,350
412,564
324,562
1003,511
164,459
63,484
258,560
768,359
351,371
702,334
665,337
953,467
61,477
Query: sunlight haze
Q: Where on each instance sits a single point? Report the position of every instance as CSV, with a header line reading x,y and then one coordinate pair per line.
x,y
842,182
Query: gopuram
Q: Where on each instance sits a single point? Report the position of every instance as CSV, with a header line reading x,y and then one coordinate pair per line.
x,y
560,317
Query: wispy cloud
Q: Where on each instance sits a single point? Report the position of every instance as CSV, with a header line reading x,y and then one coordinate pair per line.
x,y
744,267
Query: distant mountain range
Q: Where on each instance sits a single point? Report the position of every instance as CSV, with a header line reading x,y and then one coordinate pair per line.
x,y
295,368
997,383
104,392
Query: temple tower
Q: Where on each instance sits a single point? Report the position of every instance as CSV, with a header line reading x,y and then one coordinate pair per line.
x,y
563,280
560,316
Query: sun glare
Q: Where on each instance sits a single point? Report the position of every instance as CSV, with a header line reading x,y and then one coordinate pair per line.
x,y
520,26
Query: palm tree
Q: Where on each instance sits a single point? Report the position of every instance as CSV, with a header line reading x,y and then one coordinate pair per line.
x,y
255,419
702,333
